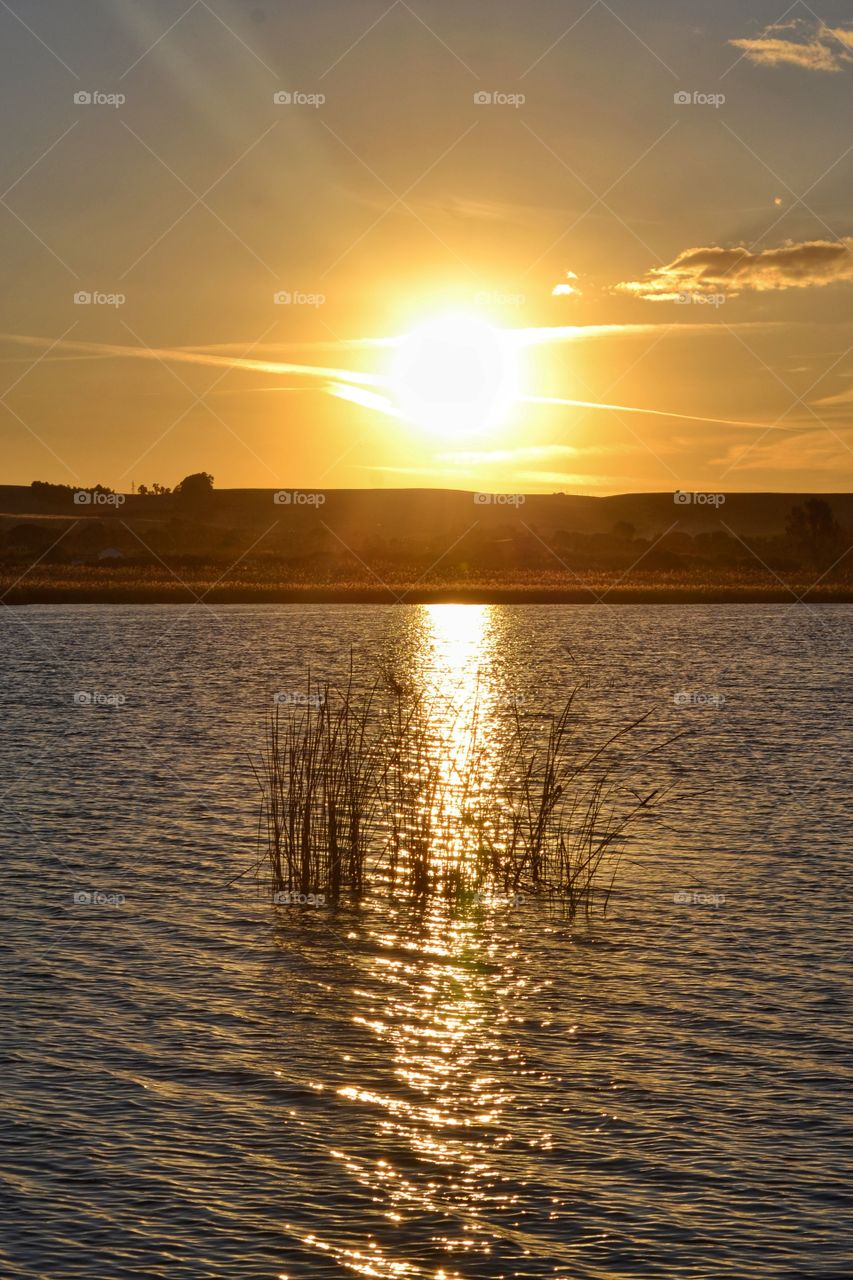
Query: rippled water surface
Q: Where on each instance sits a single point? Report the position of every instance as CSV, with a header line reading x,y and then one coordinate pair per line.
x,y
198,1084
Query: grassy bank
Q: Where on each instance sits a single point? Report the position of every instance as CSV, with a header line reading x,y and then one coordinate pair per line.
x,y
183,584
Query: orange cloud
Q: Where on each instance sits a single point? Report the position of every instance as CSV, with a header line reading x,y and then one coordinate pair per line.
x,y
800,43
810,264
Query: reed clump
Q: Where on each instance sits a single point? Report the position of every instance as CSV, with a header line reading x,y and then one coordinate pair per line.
x,y
389,783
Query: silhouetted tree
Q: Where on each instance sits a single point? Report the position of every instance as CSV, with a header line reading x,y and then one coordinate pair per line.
x,y
195,492
814,530
91,535
47,492
624,530
63,493
28,538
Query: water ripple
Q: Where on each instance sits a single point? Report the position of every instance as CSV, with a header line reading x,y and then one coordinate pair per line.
x,y
200,1085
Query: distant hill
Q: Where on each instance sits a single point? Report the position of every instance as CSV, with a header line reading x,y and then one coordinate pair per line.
x,y
421,544
413,514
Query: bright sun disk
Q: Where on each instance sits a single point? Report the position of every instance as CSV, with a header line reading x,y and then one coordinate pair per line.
x,y
455,375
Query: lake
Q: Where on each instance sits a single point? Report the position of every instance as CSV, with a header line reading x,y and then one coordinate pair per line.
x,y
199,1084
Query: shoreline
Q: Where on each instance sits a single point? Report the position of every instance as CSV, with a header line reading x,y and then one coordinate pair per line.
x,y
19,598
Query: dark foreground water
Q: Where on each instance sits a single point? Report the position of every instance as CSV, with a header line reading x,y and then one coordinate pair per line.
x,y
197,1084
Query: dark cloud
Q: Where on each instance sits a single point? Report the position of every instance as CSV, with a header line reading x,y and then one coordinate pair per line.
x,y
715,269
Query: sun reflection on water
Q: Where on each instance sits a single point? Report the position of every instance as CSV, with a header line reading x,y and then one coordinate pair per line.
x,y
437,1003
453,659
455,641
432,1139
439,1020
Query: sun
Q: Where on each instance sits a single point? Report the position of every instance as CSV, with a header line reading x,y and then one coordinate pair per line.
x,y
455,375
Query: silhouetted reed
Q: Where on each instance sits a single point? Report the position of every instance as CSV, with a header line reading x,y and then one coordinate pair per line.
x,y
391,783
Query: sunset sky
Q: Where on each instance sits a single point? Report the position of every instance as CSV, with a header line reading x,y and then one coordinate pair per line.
x,y
590,235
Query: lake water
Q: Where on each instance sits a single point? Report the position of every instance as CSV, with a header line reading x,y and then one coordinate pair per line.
x,y
198,1084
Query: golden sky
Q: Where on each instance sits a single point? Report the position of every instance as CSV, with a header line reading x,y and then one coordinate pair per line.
x,y
358,244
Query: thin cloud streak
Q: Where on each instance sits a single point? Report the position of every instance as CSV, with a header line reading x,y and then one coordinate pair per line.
x,y
655,413
362,388
180,355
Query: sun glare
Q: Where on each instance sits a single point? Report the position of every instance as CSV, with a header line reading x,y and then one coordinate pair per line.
x,y
455,375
